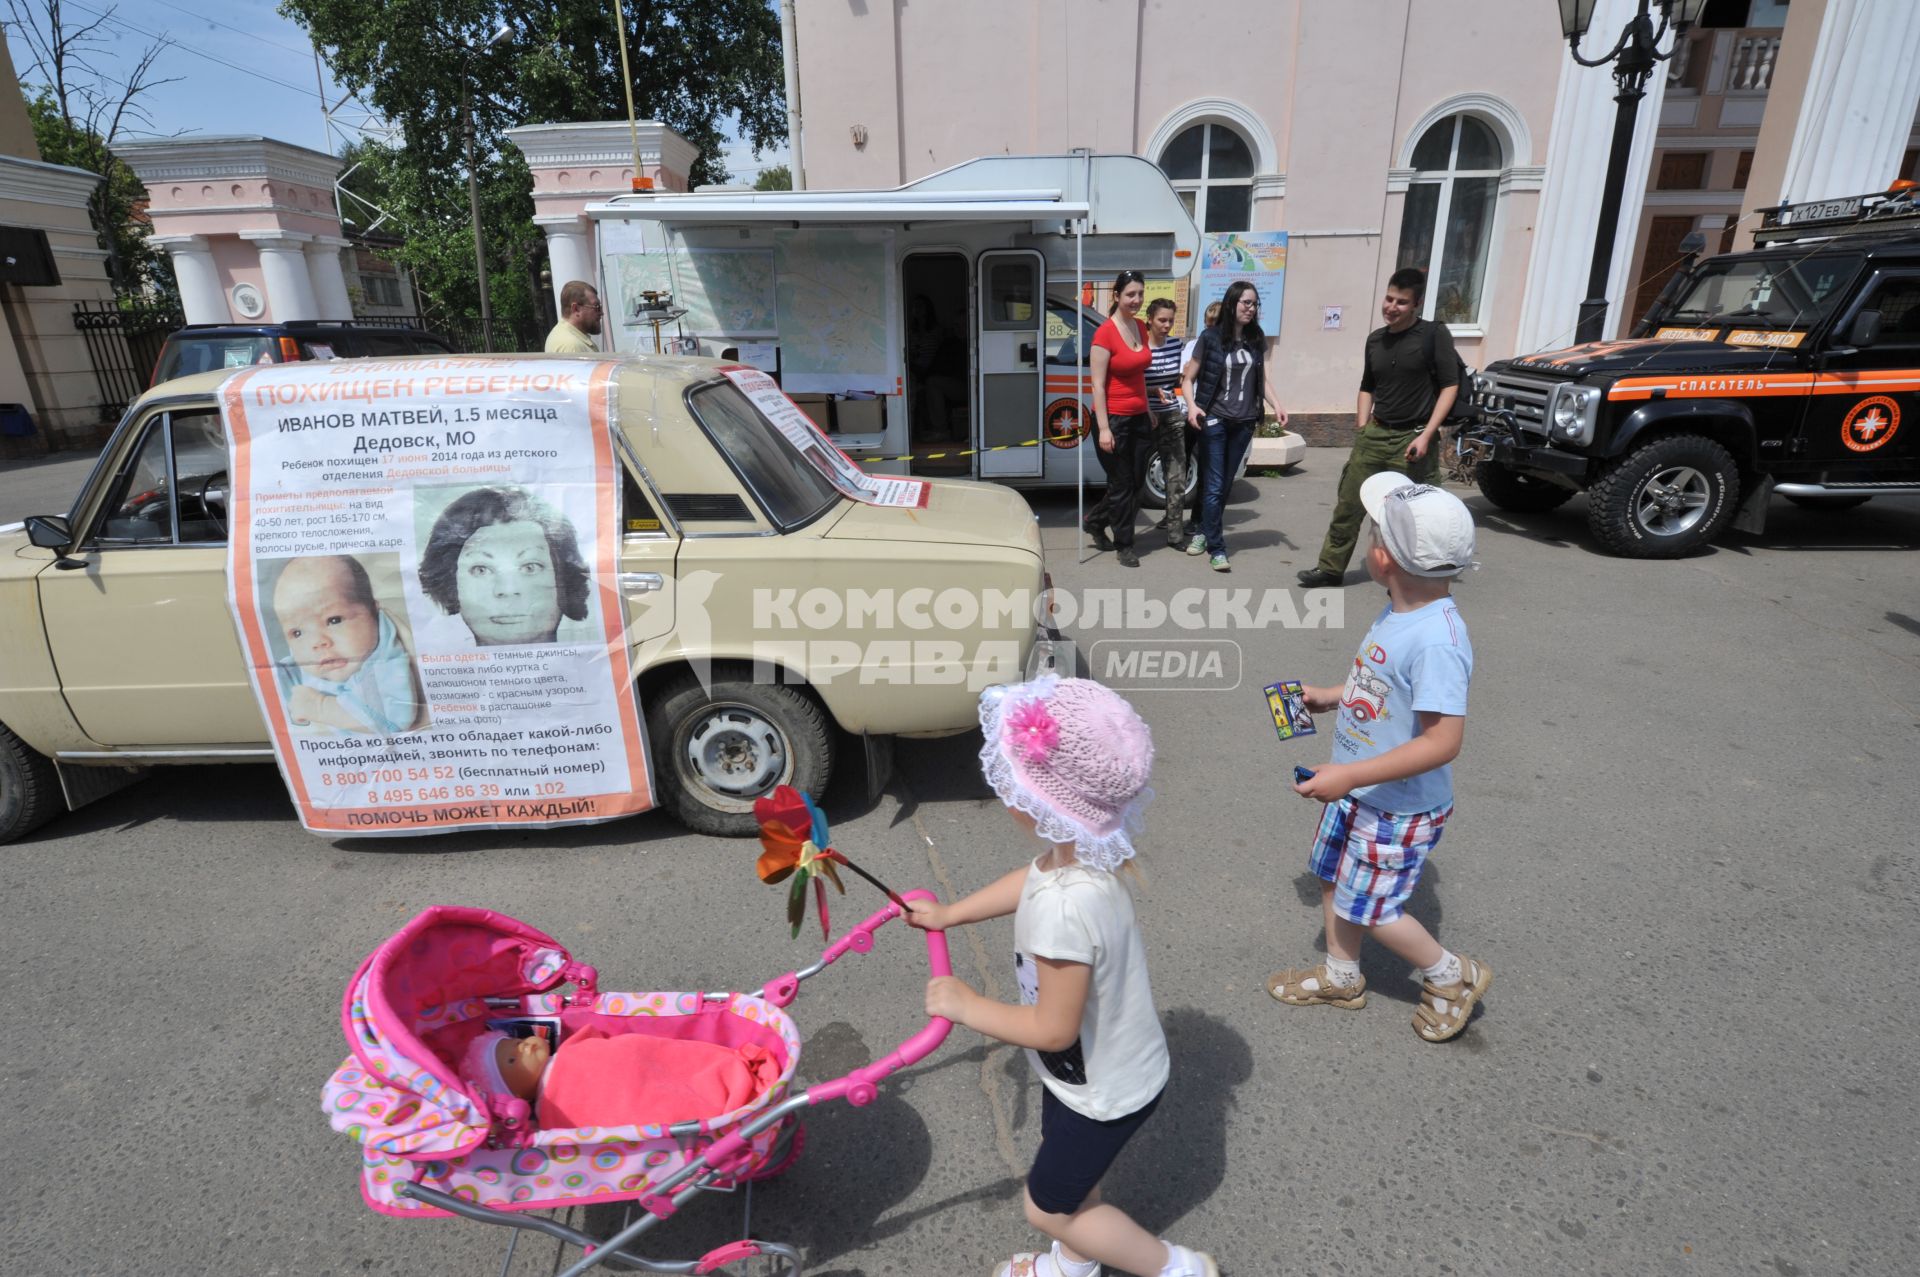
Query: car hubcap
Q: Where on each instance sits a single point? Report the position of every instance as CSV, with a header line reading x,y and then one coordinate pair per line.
x,y
1673,500
734,751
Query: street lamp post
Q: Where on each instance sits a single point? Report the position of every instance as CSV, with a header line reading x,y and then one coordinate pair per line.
x,y
1635,56
473,189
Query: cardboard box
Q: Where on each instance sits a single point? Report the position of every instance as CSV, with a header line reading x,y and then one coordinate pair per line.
x,y
860,416
818,407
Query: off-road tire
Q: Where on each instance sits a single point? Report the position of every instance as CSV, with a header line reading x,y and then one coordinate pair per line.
x,y
681,710
1615,501
1839,501
1516,492
29,788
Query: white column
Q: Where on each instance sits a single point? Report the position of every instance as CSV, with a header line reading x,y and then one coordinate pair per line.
x,y
569,253
283,269
201,297
1857,112
328,278
1562,258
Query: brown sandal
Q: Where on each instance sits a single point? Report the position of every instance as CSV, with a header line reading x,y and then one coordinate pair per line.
x,y
1444,1009
1291,988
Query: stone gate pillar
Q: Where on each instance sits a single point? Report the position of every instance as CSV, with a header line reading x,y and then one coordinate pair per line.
x,y
250,225
575,165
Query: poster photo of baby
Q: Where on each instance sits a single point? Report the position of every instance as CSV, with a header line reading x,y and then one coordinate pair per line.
x,y
340,657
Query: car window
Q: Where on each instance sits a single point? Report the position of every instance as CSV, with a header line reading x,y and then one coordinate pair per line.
x,y
426,345
1898,301
791,489
139,509
1061,348
200,477
378,344
188,355
1766,291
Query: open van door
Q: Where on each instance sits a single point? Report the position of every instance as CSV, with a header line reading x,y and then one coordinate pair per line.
x,y
1012,327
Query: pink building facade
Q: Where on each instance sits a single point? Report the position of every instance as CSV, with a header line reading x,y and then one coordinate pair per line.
x,y
1455,135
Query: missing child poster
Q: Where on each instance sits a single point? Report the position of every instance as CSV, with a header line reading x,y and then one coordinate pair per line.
x,y
423,567
841,472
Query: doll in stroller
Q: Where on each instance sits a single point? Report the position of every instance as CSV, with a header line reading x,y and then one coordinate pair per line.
x,y
476,1089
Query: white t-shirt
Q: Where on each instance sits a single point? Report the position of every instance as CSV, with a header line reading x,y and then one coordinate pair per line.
x,y
1078,914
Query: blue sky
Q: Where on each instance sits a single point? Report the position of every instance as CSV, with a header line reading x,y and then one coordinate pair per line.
x,y
240,68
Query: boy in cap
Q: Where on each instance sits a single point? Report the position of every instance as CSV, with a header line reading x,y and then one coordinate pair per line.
x,y
1389,790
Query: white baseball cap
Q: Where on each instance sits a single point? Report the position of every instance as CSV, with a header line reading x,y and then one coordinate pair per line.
x,y
1427,530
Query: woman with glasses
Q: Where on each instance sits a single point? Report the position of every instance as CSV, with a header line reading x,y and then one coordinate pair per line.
x,y
1225,383
1120,356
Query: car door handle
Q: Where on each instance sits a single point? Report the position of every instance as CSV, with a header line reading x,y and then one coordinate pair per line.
x,y
641,582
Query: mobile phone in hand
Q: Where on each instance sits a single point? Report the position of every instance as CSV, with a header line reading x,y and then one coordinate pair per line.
x,y
1301,775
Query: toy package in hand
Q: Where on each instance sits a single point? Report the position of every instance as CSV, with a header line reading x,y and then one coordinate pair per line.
x,y
1288,702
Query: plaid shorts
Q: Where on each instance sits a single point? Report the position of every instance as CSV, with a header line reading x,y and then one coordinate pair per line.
x,y
1373,858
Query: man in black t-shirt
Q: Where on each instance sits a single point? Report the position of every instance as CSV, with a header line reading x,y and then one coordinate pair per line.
x,y
1407,388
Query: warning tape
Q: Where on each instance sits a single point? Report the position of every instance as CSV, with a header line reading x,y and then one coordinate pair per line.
x,y
971,452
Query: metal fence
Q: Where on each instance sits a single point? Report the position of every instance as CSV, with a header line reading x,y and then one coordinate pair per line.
x,y
123,343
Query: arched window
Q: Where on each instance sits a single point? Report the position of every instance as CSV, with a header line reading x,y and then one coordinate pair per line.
x,y
1447,225
1212,168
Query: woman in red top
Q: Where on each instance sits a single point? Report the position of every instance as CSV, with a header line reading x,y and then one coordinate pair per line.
x,y
1121,354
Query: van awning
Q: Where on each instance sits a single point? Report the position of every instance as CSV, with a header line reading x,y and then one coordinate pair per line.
x,y
733,208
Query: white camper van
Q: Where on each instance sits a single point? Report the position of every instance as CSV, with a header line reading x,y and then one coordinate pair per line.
x,y
936,329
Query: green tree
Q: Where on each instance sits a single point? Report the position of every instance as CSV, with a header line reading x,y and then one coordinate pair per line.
x,y
422,64
776,178
426,211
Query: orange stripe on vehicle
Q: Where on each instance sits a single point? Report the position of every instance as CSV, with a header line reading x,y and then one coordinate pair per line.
x,y
1767,386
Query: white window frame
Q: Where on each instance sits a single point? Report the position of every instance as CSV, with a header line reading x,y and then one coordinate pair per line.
x,y
1443,209
1202,184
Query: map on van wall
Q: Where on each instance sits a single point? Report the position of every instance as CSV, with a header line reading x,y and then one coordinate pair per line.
x,y
837,303
725,292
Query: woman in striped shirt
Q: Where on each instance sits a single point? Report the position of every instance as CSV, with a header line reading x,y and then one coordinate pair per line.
x,y
1169,415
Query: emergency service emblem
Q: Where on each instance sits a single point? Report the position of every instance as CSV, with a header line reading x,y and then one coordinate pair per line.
x,y
1871,424
1067,424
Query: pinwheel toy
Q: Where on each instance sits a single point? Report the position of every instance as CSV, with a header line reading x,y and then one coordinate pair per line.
x,y
794,834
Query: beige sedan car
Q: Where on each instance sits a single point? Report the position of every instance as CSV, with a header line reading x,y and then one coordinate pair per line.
x,y
777,627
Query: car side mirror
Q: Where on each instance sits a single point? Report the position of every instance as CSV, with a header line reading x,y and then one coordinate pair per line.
x,y
49,532
1864,331
53,532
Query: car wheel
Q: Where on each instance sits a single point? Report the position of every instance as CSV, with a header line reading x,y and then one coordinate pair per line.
x,y
1153,489
1846,501
1665,498
1519,493
29,788
715,752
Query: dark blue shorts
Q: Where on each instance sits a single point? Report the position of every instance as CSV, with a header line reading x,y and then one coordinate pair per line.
x,y
1075,1152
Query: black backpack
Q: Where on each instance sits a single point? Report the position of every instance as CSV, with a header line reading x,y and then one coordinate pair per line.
x,y
1464,373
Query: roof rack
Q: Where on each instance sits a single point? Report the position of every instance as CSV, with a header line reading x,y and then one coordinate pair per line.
x,y
1875,213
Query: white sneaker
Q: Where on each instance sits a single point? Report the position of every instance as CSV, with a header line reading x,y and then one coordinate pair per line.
x,y
1182,1262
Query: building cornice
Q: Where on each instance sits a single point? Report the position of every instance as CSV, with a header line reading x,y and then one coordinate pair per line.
x,y
192,159
605,142
37,182
1269,186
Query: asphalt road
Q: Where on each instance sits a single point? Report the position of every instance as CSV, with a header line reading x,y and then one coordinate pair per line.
x,y
1683,839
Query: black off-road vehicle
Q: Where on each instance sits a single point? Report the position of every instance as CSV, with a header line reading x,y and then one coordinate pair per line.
x,y
1793,369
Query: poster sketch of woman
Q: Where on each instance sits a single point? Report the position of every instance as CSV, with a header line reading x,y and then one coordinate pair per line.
x,y
508,564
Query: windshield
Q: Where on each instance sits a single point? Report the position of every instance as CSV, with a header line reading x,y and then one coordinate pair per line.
x,y
791,489
1765,292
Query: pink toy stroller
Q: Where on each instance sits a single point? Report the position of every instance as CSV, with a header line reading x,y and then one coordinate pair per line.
x,y
433,1145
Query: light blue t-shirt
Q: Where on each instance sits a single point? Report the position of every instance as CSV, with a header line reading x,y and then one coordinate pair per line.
x,y
1409,661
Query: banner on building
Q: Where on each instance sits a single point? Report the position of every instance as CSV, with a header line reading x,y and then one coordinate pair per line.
x,y
1259,257
422,564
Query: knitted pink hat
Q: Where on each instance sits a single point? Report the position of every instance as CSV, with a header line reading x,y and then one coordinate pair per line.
x,y
1073,755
